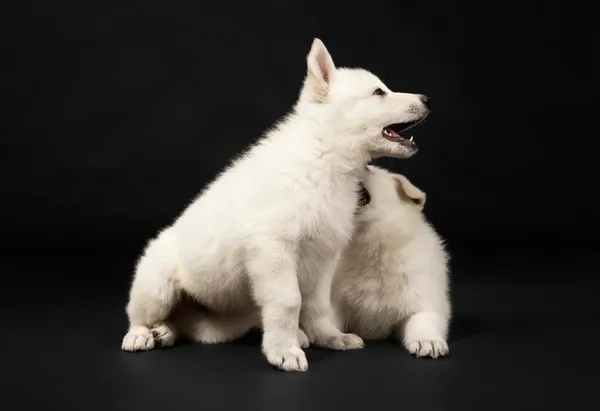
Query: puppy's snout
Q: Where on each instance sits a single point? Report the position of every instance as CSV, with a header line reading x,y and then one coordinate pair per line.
x,y
425,100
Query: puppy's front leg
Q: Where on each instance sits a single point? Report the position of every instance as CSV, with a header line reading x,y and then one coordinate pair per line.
x,y
316,316
274,282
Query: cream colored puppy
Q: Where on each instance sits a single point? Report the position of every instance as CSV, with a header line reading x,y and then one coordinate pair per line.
x,y
392,279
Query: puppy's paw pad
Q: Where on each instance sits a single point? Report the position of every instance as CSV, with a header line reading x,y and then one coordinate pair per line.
x,y
303,339
344,342
163,335
291,359
428,348
139,339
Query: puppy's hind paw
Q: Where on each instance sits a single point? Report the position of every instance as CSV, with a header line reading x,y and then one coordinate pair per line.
x,y
163,335
343,342
303,339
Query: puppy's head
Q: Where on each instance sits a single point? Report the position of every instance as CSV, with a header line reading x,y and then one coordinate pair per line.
x,y
391,196
359,107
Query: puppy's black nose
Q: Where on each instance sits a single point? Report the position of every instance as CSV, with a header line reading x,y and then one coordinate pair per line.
x,y
425,100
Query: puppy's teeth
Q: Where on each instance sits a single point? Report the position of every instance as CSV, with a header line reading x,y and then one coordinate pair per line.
x,y
411,138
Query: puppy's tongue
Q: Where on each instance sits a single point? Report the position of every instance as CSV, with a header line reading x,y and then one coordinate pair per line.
x,y
392,132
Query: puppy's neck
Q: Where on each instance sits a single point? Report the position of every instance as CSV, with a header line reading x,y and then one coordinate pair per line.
x,y
330,144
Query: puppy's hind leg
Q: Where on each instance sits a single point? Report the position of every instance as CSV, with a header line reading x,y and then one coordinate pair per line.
x,y
318,316
153,294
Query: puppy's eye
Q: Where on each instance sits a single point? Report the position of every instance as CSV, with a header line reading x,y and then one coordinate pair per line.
x,y
378,92
364,197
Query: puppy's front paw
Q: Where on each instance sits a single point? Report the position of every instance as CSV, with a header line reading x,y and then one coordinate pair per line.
x,y
343,342
138,339
163,335
303,339
428,348
287,359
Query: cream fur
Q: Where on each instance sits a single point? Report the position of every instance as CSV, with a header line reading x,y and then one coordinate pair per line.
x,y
258,247
393,278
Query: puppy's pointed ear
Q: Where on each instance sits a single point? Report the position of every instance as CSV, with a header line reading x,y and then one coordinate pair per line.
x,y
320,71
409,192
319,62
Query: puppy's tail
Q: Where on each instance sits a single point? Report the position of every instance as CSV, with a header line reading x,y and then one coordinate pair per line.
x,y
198,324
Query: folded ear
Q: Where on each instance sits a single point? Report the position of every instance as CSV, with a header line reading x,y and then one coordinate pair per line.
x,y
408,192
320,70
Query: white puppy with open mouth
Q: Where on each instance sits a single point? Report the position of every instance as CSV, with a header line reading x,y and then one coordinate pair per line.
x,y
392,280
260,243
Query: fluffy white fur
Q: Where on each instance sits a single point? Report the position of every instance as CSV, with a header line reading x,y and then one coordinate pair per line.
x,y
260,243
392,279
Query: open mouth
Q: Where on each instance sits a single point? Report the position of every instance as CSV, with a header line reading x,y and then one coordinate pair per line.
x,y
392,133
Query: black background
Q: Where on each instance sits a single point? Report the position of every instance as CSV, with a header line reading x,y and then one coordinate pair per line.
x,y
117,113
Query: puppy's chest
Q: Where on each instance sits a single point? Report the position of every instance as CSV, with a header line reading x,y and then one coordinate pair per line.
x,y
331,217
381,290
376,288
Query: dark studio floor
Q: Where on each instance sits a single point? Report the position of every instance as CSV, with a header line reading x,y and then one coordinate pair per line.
x,y
515,344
